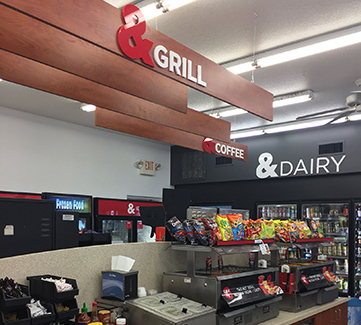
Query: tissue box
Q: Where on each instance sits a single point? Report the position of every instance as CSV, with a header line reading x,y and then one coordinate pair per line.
x,y
119,284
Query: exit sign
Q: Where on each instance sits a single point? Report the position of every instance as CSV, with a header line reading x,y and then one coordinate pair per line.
x,y
148,168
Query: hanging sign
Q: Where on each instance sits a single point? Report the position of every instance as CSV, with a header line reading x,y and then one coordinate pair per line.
x,y
132,31
155,50
233,150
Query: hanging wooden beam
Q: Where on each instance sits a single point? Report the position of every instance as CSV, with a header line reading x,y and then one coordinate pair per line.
x,y
30,73
100,25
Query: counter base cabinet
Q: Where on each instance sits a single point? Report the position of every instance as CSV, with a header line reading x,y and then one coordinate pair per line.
x,y
333,316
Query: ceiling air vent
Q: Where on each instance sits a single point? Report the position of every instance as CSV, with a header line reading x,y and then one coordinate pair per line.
x,y
329,148
221,161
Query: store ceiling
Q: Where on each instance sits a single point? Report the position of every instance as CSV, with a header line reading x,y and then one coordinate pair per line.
x,y
231,29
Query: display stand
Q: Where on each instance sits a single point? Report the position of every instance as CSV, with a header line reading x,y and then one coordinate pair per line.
x,y
236,292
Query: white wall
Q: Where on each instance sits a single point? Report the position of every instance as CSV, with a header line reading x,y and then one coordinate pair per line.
x,y
39,154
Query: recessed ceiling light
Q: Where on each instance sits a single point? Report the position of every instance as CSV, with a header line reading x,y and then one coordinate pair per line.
x,y
87,107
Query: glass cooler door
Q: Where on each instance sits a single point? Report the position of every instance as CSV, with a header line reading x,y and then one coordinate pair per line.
x,y
357,277
334,220
277,211
121,230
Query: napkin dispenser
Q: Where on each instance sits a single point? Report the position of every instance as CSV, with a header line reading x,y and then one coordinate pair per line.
x,y
120,284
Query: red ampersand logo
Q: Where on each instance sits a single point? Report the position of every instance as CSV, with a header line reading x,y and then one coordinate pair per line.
x,y
132,31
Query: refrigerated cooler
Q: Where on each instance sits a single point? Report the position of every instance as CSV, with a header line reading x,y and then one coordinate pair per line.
x,y
122,219
335,221
355,244
277,210
79,203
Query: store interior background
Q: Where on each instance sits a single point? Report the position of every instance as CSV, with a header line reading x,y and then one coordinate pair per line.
x,y
41,152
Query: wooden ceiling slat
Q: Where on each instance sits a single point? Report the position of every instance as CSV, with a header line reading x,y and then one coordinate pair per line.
x,y
38,41
43,77
100,25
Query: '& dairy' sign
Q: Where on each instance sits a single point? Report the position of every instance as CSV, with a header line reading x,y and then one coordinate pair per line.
x,y
131,32
319,165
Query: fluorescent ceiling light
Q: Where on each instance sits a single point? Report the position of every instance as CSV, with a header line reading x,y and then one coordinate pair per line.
x,y
159,7
297,126
279,101
341,120
314,46
295,98
246,134
354,117
87,107
281,128
228,113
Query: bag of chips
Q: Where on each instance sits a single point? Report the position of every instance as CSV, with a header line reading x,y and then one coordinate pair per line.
x,y
281,231
236,221
214,233
176,230
303,230
313,227
319,230
224,227
268,229
254,229
293,230
200,232
246,228
188,226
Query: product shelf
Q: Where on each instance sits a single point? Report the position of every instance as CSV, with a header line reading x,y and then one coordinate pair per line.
x,y
337,257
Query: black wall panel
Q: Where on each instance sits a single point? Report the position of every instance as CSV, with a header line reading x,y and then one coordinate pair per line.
x,y
239,185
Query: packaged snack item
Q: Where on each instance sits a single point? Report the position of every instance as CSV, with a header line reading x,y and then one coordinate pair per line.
x,y
214,233
188,227
176,230
254,229
246,228
281,231
293,230
236,221
224,227
313,227
200,232
268,229
319,230
303,230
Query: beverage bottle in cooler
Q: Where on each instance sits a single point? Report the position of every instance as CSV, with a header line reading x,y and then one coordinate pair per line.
x,y
358,213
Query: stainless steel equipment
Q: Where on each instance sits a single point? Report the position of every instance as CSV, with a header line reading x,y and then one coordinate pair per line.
x,y
308,284
168,308
241,295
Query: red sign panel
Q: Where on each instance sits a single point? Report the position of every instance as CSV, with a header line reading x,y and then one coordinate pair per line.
x,y
233,150
122,207
21,196
128,225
